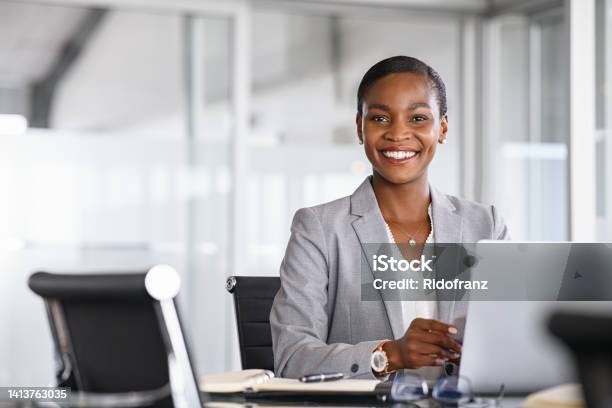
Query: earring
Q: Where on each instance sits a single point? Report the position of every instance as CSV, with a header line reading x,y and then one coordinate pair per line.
x,y
443,141
360,142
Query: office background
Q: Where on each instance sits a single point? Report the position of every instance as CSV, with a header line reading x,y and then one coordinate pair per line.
x,y
188,132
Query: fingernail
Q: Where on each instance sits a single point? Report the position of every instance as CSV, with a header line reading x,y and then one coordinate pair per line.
x,y
439,361
452,330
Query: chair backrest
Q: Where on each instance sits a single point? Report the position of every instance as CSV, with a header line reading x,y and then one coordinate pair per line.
x,y
253,297
111,333
589,337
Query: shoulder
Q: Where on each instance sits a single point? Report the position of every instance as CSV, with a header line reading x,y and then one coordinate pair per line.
x,y
326,213
334,217
476,216
469,208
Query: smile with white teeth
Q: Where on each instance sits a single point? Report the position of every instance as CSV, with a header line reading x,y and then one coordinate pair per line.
x,y
398,154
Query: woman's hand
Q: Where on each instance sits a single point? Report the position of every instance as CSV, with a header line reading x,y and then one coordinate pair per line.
x,y
427,342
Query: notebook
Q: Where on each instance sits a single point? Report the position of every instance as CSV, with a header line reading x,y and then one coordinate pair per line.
x,y
263,381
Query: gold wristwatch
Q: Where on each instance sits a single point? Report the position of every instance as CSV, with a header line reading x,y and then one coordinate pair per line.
x,y
379,361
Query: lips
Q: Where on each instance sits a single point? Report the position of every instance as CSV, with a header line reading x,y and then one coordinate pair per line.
x,y
398,155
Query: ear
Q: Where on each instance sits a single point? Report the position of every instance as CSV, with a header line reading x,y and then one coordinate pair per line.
x,y
443,129
359,124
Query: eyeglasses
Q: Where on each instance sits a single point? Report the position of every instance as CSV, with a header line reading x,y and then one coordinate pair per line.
x,y
447,391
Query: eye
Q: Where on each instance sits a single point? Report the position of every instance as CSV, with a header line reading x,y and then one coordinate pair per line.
x,y
380,118
419,118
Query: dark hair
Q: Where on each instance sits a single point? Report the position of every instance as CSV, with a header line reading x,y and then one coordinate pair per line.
x,y
399,64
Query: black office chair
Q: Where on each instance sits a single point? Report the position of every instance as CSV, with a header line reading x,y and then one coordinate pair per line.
x,y
253,297
589,337
117,336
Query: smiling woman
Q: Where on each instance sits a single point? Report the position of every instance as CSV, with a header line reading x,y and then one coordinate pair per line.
x,y
404,117
401,107
319,322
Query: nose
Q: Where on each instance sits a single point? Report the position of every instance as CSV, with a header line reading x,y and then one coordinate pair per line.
x,y
398,131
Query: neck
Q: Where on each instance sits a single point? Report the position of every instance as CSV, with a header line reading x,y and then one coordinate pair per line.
x,y
406,202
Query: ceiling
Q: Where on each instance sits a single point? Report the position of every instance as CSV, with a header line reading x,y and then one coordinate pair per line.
x,y
31,36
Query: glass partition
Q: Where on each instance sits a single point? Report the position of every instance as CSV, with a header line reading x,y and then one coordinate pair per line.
x,y
125,163
527,172
603,139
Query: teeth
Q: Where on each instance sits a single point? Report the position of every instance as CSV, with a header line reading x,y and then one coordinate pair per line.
x,y
398,154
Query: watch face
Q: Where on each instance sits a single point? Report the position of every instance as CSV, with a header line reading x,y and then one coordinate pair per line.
x,y
379,361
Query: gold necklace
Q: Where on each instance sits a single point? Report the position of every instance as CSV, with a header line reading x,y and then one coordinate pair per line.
x,y
411,238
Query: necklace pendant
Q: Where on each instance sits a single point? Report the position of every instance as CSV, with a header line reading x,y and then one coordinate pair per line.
x,y
412,242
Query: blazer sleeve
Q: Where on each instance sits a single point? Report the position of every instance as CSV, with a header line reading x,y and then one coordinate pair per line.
x,y
300,314
500,229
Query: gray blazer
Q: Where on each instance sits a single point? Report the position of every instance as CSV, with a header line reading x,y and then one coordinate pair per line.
x,y
319,323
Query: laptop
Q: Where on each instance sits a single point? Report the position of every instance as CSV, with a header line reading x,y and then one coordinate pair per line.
x,y
508,342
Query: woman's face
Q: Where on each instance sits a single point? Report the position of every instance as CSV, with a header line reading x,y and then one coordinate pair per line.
x,y
400,126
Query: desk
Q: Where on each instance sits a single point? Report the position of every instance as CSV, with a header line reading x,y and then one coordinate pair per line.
x,y
508,403
229,402
217,402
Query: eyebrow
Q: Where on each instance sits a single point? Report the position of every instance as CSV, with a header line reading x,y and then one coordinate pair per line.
x,y
412,106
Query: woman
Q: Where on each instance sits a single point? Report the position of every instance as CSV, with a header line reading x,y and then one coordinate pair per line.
x,y
319,323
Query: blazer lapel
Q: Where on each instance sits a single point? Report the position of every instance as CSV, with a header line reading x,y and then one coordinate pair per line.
x,y
370,229
447,225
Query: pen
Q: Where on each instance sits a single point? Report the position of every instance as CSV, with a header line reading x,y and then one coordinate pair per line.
x,y
321,377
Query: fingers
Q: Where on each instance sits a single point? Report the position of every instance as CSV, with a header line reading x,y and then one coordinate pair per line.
x,y
438,339
433,325
428,342
434,350
419,353
426,360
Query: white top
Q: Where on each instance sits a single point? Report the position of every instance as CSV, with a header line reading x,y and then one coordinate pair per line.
x,y
413,309
424,308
